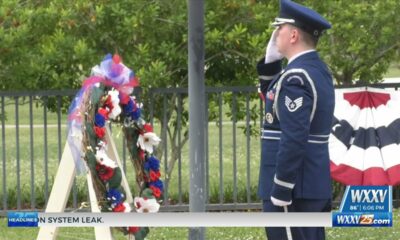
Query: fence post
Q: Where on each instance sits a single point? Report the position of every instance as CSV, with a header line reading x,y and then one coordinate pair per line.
x,y
196,112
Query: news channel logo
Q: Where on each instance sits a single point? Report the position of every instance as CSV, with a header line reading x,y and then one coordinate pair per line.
x,y
365,206
22,219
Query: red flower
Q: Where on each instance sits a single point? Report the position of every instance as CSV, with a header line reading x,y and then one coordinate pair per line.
x,y
156,191
154,175
147,128
99,131
105,173
119,208
108,103
133,229
116,59
141,154
103,112
124,98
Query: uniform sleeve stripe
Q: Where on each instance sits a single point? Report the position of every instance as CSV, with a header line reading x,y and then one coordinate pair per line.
x,y
283,183
266,78
313,141
273,138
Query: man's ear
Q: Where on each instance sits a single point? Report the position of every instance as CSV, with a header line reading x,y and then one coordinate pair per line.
x,y
294,35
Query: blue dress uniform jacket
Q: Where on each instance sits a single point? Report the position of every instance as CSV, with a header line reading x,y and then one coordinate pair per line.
x,y
298,117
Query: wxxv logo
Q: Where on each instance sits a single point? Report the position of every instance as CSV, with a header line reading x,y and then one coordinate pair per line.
x,y
365,206
360,220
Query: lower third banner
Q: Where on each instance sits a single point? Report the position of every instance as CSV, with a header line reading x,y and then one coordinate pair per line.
x,y
365,206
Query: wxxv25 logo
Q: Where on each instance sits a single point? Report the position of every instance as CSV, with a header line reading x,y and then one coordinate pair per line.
x,y
365,206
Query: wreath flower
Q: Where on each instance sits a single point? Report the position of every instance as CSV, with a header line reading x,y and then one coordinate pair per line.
x,y
115,197
104,172
99,131
103,159
144,205
106,97
147,141
152,163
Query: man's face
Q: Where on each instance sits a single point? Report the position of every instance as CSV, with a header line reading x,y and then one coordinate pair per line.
x,y
283,37
287,36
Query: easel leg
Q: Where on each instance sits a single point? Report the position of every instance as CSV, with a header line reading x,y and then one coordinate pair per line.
x,y
60,191
62,187
113,154
99,232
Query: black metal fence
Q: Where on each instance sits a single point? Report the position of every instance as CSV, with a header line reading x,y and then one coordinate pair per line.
x,y
33,135
232,146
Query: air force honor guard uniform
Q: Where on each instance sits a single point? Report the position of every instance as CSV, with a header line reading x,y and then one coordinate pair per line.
x,y
294,170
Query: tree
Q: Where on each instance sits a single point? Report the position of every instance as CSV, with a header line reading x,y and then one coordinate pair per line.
x,y
363,41
53,44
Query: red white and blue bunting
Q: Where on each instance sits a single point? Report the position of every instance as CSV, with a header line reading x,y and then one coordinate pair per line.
x,y
364,144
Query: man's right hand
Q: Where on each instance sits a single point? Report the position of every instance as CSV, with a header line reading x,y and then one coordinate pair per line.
x,y
272,53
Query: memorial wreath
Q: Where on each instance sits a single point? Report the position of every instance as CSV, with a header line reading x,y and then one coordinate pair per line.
x,y
107,96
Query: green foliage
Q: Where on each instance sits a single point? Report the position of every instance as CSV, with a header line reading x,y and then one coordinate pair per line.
x,y
53,44
142,233
362,42
96,95
91,135
116,179
91,160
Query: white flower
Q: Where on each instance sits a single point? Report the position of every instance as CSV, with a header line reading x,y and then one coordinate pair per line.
x,y
146,205
103,159
127,207
114,96
115,111
147,140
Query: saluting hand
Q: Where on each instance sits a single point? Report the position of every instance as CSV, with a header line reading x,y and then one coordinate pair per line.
x,y
272,53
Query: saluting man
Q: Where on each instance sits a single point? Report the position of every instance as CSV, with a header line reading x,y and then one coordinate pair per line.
x,y
299,103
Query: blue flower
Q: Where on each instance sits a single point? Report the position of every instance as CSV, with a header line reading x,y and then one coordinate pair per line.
x,y
159,184
128,108
114,196
136,114
152,163
99,120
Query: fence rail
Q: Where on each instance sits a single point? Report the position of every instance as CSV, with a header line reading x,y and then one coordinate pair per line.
x,y
227,130
33,133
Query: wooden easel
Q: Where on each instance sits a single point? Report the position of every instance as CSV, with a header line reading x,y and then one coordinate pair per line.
x,y
62,187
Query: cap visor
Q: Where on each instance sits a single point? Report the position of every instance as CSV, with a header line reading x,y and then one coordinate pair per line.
x,y
280,21
276,23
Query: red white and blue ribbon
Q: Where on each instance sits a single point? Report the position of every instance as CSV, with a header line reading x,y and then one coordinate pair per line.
x,y
364,145
112,73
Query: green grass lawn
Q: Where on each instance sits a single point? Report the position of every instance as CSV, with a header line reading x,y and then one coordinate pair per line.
x,y
393,71
39,166
227,233
44,161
